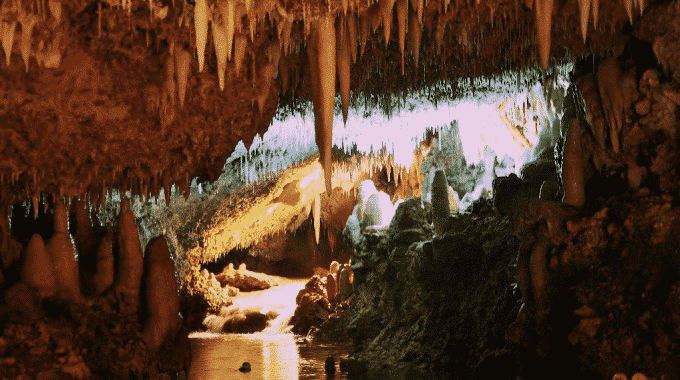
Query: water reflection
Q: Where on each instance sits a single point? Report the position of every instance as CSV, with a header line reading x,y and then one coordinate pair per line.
x,y
219,356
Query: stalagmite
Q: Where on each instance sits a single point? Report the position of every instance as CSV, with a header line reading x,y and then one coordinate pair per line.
x,y
343,68
402,13
7,29
83,235
227,11
574,167
543,25
201,25
352,31
440,202
182,62
316,209
584,7
326,77
28,21
386,8
162,299
629,9
331,290
240,43
63,257
221,46
415,33
104,273
129,261
364,32
36,269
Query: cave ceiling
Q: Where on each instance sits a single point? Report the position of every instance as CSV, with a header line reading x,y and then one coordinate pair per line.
x,y
96,95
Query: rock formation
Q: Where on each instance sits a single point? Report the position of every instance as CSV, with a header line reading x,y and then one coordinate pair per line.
x,y
440,202
129,261
37,270
162,299
62,255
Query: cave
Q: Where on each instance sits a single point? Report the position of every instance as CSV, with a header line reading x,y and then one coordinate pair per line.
x,y
136,182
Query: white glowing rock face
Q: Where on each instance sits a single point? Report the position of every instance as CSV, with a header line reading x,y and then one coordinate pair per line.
x,y
352,228
104,274
201,25
62,254
162,298
379,211
36,269
366,189
129,263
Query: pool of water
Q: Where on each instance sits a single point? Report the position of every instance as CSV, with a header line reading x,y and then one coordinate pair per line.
x,y
271,357
274,353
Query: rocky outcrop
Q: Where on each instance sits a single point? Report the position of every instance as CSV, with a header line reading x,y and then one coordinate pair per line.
x,y
244,279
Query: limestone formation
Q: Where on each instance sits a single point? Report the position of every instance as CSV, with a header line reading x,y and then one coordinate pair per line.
x,y
36,269
83,236
162,298
62,255
334,267
331,290
366,189
105,271
440,202
378,211
344,287
244,279
129,262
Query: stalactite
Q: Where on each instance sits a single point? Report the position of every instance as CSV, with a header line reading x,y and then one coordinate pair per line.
x,y
628,4
325,101
240,43
543,25
584,7
386,9
28,21
201,26
352,31
596,10
364,21
402,13
343,67
316,209
228,17
182,62
7,29
415,33
221,49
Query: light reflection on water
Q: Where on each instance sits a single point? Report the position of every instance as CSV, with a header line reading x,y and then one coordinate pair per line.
x,y
272,354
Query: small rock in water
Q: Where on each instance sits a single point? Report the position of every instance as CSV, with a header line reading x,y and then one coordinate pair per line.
x,y
330,366
245,367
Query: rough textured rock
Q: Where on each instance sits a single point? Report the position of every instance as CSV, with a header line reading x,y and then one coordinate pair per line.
x,y
129,261
244,279
62,255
